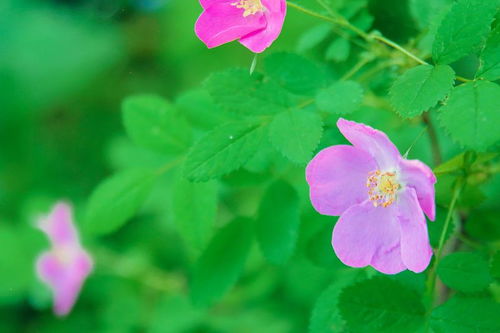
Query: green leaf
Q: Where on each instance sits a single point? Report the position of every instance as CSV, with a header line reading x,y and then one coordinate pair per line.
x,y
194,206
222,262
117,199
466,315
464,271
426,12
338,50
237,91
436,228
223,150
341,97
463,30
313,37
297,74
319,248
381,305
457,163
153,123
278,222
296,133
483,225
490,57
471,114
420,88
325,317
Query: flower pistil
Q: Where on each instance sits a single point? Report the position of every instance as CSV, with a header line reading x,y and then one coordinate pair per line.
x,y
382,187
251,7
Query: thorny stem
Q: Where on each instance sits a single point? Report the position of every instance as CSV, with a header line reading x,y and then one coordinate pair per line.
x,y
436,152
341,21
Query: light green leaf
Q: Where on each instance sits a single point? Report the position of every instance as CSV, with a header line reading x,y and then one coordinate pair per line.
x,y
457,163
296,133
117,199
237,91
341,97
420,88
338,50
194,206
466,315
223,150
313,37
153,123
490,57
278,222
471,114
325,317
464,271
463,30
381,305
222,262
426,12
297,74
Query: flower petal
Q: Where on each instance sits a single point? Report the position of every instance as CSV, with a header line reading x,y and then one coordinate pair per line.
x,y
337,178
58,225
258,41
419,176
222,22
367,235
375,142
416,251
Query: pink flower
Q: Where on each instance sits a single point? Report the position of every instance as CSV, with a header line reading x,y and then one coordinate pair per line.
x,y
66,266
381,199
256,23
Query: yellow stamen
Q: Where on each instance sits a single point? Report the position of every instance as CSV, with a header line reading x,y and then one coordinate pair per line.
x,y
382,187
250,7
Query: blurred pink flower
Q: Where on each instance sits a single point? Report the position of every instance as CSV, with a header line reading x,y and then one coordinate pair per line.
x,y
256,23
381,199
66,265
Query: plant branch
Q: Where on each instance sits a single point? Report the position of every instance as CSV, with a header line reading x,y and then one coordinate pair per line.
x,y
436,152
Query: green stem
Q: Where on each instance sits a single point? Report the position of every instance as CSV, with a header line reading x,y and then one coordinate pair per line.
x,y
356,68
431,282
436,152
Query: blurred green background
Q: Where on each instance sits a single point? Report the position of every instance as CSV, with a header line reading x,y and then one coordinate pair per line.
x,y
65,68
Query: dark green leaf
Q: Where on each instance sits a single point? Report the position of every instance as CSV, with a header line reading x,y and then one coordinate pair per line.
x,y
463,30
296,133
466,315
117,199
420,88
381,305
222,262
464,271
223,150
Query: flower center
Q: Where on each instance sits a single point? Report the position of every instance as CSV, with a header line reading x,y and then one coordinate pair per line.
x,y
382,187
250,7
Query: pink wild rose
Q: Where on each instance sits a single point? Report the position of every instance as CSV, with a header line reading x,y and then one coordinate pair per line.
x,y
381,198
256,23
66,265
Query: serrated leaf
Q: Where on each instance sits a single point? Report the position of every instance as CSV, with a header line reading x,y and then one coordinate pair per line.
x,y
220,265
117,199
296,133
325,317
426,12
151,122
297,74
223,150
466,315
342,97
313,37
278,222
464,271
194,206
381,305
471,114
490,57
420,88
338,50
463,30
237,91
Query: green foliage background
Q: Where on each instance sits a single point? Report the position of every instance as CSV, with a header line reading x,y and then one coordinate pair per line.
x,y
187,173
